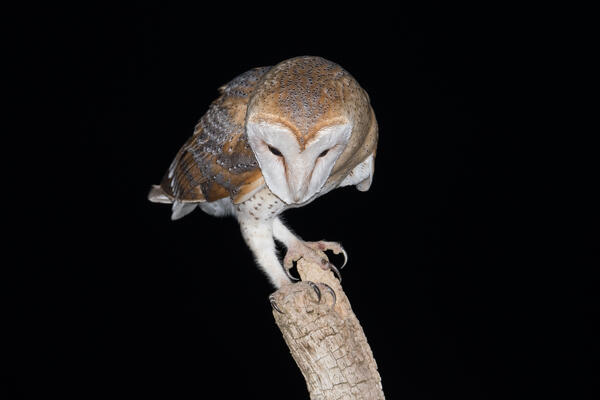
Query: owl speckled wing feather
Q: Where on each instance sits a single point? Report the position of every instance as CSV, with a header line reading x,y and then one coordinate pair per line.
x,y
217,161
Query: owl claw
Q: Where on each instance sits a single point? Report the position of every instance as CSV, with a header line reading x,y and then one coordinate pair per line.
x,y
288,263
316,289
332,292
335,271
328,288
274,304
345,258
289,275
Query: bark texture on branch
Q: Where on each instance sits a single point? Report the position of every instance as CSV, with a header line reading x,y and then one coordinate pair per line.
x,y
327,343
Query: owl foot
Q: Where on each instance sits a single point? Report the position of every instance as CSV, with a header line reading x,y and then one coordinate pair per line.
x,y
317,291
335,247
307,251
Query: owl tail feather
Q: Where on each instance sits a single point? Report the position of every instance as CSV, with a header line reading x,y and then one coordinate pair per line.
x,y
180,210
158,195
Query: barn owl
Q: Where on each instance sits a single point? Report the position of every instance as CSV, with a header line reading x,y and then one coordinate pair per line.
x,y
276,138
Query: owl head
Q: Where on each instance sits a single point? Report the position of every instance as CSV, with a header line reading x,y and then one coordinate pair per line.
x,y
308,122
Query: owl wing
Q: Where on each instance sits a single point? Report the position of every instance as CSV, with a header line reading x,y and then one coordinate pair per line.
x,y
217,161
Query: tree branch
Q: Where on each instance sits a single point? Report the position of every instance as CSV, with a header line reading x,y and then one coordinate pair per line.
x,y
327,343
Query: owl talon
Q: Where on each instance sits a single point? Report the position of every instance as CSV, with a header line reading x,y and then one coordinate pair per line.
x,y
316,289
335,271
289,275
288,264
274,304
332,292
328,288
345,258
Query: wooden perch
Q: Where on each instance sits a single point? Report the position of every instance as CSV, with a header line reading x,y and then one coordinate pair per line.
x,y
327,343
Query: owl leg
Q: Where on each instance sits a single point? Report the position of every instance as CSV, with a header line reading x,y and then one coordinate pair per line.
x,y
259,237
297,248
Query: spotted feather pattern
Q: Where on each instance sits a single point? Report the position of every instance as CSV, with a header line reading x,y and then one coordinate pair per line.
x,y
217,161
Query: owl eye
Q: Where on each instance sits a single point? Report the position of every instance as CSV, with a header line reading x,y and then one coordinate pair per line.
x,y
324,153
274,151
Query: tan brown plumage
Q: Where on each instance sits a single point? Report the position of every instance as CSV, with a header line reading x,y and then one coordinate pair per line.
x,y
217,161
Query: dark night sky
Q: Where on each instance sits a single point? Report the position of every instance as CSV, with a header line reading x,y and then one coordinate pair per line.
x,y
443,272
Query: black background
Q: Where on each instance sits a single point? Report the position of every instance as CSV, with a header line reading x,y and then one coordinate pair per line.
x,y
444,271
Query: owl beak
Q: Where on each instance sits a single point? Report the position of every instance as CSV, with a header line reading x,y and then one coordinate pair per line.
x,y
298,197
298,194
298,186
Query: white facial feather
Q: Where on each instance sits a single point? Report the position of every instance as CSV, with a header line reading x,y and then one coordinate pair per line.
x,y
260,137
333,141
296,176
